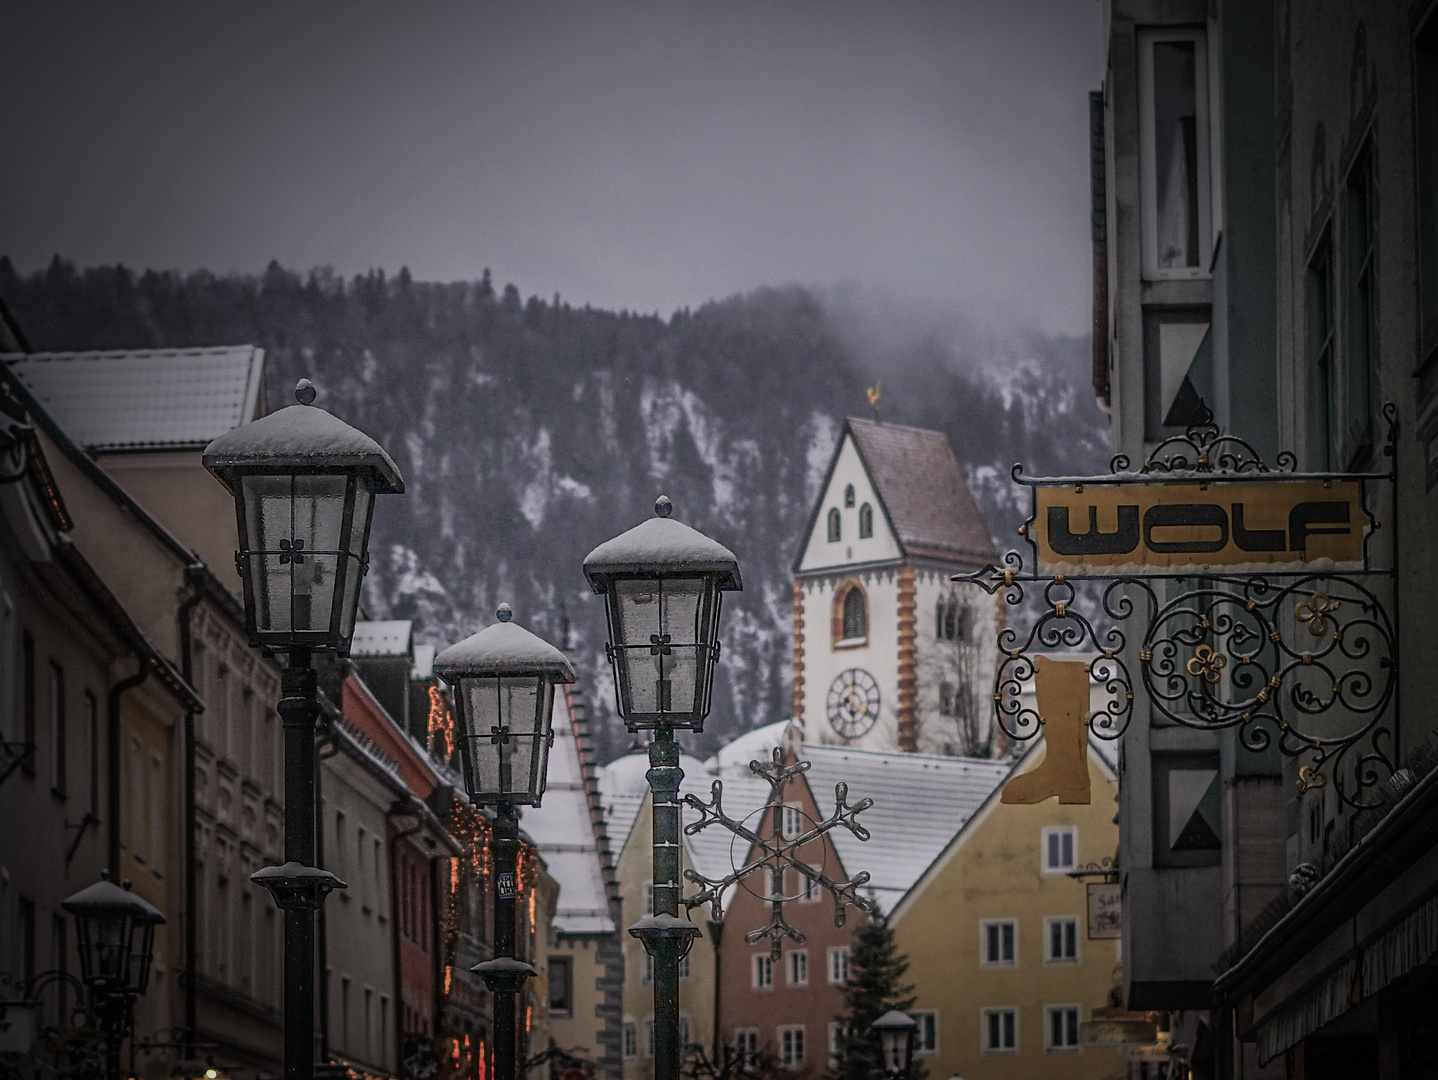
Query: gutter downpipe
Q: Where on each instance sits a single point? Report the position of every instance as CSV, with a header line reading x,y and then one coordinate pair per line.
x,y
112,725
191,944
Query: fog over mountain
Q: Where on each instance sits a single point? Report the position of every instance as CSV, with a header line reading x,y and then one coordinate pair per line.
x,y
529,430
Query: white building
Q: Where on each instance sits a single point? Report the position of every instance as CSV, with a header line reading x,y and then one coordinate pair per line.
x,y
889,654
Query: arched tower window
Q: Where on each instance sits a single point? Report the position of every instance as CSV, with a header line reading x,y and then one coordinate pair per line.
x,y
833,525
866,521
951,621
849,495
856,615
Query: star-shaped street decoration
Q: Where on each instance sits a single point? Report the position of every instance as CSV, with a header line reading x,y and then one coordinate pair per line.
x,y
771,851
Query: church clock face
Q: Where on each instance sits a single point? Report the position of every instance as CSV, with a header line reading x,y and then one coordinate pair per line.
x,y
853,703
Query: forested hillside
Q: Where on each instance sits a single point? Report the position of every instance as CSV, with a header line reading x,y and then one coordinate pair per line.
x,y
528,431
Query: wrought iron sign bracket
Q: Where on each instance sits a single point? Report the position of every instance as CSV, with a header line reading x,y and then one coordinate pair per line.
x,y
1256,596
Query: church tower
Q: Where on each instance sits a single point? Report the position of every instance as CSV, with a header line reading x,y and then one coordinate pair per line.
x,y
889,654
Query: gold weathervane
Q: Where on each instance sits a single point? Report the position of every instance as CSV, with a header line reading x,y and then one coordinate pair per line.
x,y
874,393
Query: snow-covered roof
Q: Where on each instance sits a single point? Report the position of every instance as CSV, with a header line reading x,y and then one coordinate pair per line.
x,y
920,804
564,834
752,745
382,637
147,398
423,668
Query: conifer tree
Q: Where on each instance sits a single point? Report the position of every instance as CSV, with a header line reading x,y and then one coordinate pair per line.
x,y
876,974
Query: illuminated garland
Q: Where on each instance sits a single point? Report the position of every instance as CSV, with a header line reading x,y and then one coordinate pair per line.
x,y
440,725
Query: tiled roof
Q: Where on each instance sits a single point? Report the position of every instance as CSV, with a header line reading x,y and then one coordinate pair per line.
x,y
386,637
145,399
920,804
923,489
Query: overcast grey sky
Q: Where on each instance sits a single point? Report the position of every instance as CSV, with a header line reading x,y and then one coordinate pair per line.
x,y
639,155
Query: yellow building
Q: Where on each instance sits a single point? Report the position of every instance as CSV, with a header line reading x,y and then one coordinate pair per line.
x,y
996,935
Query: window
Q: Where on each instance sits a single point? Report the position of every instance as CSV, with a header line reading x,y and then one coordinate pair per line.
x,y
926,1038
340,848
136,779
1173,153
561,985
791,1047
848,496
383,1027
649,1038
684,1040
361,885
631,1040
866,521
951,620
834,531
763,972
997,942
684,968
344,1011
1061,1027
793,821
834,1029
1322,399
1362,313
1059,845
856,615
839,965
1061,940
746,1047
27,718
1000,1031
59,756
799,968
946,699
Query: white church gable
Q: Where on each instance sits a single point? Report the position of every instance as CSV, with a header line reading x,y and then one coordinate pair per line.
x,y
821,550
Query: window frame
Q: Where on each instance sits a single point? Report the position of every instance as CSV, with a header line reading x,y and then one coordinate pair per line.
x,y
926,1043
794,1034
744,1042
1359,369
1058,831
1321,359
565,1006
1074,1029
1148,172
628,1039
866,521
761,972
838,956
59,733
834,527
1071,922
985,925
984,1028
796,967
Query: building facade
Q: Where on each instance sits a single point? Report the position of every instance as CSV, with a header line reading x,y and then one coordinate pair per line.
x,y
888,653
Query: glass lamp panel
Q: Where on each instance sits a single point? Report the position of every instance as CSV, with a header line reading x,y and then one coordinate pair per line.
x,y
660,640
319,512
142,951
266,502
353,568
109,941
505,736
895,1042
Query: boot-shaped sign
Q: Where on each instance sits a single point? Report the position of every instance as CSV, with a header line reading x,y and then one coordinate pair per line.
x,y
1061,687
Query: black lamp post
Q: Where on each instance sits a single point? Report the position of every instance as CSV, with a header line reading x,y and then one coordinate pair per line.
x,y
115,931
304,483
896,1031
661,583
503,680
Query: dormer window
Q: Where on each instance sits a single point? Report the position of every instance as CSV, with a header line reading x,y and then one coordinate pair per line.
x,y
849,497
866,521
833,525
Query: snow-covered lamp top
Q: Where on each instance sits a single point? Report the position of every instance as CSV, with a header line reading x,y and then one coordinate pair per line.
x,y
298,438
662,545
503,679
662,583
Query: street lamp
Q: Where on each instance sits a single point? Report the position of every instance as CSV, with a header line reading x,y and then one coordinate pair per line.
x,y
115,931
661,583
896,1031
503,679
304,483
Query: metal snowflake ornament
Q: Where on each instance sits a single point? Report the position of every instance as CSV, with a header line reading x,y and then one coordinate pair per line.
x,y
771,848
